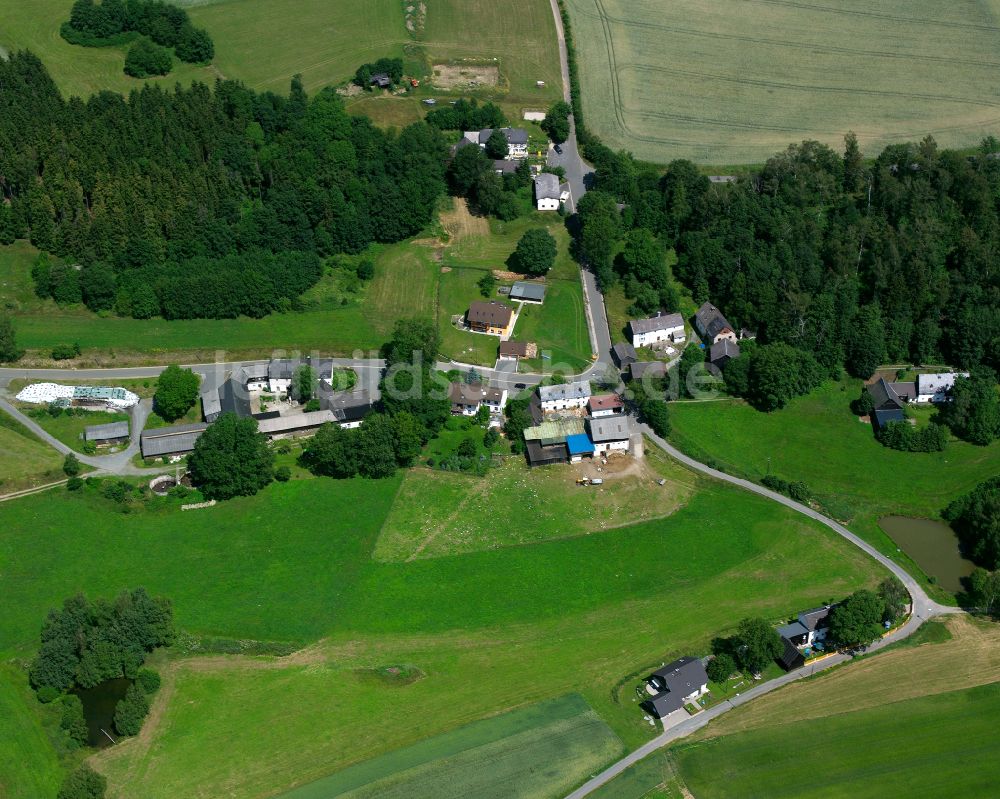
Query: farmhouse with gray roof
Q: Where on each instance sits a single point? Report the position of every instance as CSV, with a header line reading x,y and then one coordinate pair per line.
x,y
676,683
712,325
657,329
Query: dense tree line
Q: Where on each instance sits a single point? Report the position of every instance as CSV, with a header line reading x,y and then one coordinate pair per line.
x,y
93,24
854,264
85,643
467,115
201,202
909,438
471,175
976,519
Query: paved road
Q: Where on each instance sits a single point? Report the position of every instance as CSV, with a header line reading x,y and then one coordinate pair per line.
x,y
923,608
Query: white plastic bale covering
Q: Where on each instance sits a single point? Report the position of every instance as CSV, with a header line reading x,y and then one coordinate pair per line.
x,y
44,393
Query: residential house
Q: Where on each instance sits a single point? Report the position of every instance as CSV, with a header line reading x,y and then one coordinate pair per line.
x,y
935,387
280,372
547,193
505,166
657,329
467,398
170,441
888,399
809,628
722,352
610,434
564,397
523,291
712,326
675,684
624,354
641,369
517,140
513,349
492,317
349,408
253,376
605,405
104,435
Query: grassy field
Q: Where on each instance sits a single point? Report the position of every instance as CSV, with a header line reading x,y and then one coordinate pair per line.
x,y
26,461
69,429
652,777
816,439
734,82
440,513
29,768
541,621
538,751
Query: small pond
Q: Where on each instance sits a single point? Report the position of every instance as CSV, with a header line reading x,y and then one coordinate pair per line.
x,y
934,547
99,709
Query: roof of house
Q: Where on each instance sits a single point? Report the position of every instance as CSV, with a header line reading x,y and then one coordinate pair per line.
x,y
724,348
492,313
295,421
885,415
553,432
684,676
284,368
905,391
579,389
252,371
610,428
793,630
624,353
791,658
547,186
512,135
528,291
473,394
670,321
710,320
211,404
884,393
579,444
815,618
513,349
506,166
605,402
934,382
348,406
167,440
663,704
101,432
233,398
639,369
540,454
380,78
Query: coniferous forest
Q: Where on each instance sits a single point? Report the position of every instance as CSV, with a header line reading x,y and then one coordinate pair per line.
x,y
201,202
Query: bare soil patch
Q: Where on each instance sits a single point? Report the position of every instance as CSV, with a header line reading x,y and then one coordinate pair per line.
x,y
461,223
465,76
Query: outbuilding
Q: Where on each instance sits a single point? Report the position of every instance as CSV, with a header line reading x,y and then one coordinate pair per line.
x,y
547,192
105,435
523,291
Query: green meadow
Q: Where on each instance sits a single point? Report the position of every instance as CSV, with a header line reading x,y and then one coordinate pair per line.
x,y
26,461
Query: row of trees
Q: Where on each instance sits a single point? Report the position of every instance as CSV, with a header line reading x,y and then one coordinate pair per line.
x,y
976,520
93,24
85,643
198,201
467,115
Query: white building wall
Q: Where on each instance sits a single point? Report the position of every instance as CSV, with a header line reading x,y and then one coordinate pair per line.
x,y
545,204
610,446
564,404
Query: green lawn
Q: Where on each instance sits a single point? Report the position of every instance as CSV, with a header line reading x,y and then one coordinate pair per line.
x,y
945,745
817,439
440,513
538,751
29,767
294,564
25,461
69,429
651,778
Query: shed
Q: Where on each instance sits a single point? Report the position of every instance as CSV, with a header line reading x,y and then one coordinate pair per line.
x,y
540,454
624,354
523,291
176,440
578,446
882,417
106,433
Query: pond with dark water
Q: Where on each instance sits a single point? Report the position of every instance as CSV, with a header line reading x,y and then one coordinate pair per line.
x,y
99,705
934,547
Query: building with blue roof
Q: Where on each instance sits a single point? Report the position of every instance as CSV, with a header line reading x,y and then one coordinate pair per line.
x,y
578,446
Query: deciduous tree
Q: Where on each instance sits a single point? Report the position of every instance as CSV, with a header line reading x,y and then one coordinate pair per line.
x,y
176,392
231,459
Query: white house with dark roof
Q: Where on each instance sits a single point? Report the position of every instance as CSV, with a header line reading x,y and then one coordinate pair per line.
x,y
467,398
657,329
564,397
548,195
712,326
809,628
517,140
684,680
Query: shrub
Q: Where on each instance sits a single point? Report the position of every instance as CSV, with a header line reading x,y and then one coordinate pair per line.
x,y
71,465
72,721
64,352
116,490
283,474
146,58
48,693
148,680
131,711
366,269
84,783
312,405
74,484
720,667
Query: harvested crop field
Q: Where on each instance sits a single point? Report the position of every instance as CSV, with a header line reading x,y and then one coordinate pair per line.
x,y
465,76
733,81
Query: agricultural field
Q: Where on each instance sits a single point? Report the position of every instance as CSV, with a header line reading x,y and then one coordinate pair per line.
x,y
440,513
868,732
26,461
535,752
856,479
29,768
69,428
734,82
545,620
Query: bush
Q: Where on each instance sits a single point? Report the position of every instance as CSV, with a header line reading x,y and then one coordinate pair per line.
x,y
145,58
907,438
48,693
283,474
131,711
116,490
312,405
71,465
721,667
84,783
74,484
72,721
65,352
366,269
148,680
